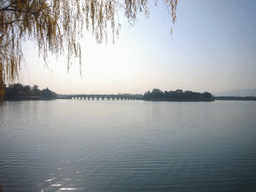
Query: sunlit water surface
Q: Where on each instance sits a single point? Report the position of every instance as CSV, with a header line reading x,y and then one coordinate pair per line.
x,y
77,145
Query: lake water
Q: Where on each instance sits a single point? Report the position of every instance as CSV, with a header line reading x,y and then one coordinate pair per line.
x,y
77,145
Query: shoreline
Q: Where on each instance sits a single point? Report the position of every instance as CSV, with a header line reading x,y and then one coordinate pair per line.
x,y
228,98
26,98
181,100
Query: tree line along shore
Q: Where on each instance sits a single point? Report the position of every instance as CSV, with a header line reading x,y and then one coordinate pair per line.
x,y
178,95
18,92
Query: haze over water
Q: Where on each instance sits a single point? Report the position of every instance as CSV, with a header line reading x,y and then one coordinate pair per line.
x,y
82,145
212,48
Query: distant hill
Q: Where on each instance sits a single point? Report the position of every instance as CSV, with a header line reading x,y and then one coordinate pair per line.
x,y
238,92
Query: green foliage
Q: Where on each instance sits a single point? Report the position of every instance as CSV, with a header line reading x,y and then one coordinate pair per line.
x,y
57,25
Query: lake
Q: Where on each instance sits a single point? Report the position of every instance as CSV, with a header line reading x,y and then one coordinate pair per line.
x,y
80,145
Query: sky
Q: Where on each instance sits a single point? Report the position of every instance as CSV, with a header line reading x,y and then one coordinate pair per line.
x,y
212,48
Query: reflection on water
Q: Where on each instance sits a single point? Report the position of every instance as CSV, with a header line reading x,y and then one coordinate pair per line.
x,y
54,185
76,145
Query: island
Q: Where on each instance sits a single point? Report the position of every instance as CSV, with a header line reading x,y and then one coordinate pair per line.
x,y
18,92
178,95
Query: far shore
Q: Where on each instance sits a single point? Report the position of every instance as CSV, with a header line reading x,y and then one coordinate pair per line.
x,y
224,98
182,100
26,98
235,98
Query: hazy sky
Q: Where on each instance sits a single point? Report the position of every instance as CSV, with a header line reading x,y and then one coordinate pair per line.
x,y
212,48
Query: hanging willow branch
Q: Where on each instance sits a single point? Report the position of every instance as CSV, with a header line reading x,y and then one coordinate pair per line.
x,y
57,24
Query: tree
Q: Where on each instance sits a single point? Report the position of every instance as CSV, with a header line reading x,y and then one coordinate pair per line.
x,y
47,94
55,24
27,88
35,88
35,91
206,95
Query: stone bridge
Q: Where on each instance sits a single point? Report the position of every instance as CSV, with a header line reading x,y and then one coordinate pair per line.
x,y
98,97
